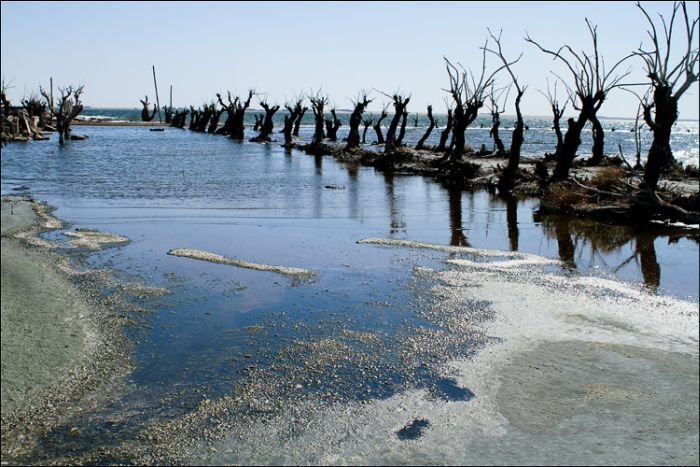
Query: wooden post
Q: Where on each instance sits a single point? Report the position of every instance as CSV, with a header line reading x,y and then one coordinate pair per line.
x,y
51,84
157,99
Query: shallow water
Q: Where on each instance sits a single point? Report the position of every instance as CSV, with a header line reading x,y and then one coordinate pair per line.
x,y
219,324
539,136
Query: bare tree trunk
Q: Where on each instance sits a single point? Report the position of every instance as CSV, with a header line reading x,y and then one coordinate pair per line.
x,y
402,131
572,140
297,123
67,111
660,155
238,124
557,128
400,104
194,118
288,128
598,141
267,125
145,116
367,123
290,119
258,121
421,142
204,117
168,114
496,123
378,127
353,139
317,104
441,147
214,122
507,179
332,125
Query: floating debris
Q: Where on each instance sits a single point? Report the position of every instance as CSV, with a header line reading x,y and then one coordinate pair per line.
x,y
214,258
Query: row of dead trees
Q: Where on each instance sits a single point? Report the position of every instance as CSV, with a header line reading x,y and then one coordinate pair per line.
x,y
590,83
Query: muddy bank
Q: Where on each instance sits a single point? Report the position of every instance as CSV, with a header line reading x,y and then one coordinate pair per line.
x,y
58,341
580,370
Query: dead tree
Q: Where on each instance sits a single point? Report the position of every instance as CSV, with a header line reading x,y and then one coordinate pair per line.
x,y
366,123
229,108
402,130
267,124
179,118
378,125
496,111
68,109
556,116
194,116
290,119
35,108
400,103
441,147
204,117
415,120
297,123
4,101
215,117
598,149
332,125
144,112
360,104
258,121
424,138
669,82
318,102
168,111
238,108
468,97
510,173
592,83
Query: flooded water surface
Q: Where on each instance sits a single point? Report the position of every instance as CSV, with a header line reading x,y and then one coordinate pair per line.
x,y
219,328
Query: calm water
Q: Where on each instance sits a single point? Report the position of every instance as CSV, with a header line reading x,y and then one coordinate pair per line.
x,y
178,189
539,138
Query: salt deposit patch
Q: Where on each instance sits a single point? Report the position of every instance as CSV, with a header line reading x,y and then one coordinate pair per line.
x,y
94,239
214,258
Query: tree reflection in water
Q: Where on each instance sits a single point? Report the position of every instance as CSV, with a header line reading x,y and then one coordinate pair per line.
x,y
457,237
604,241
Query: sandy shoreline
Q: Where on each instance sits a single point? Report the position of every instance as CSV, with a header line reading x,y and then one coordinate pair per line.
x,y
58,342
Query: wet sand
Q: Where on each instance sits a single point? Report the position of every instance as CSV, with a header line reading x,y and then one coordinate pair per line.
x,y
54,345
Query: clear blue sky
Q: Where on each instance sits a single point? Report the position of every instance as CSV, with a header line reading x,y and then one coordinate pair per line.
x,y
280,48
